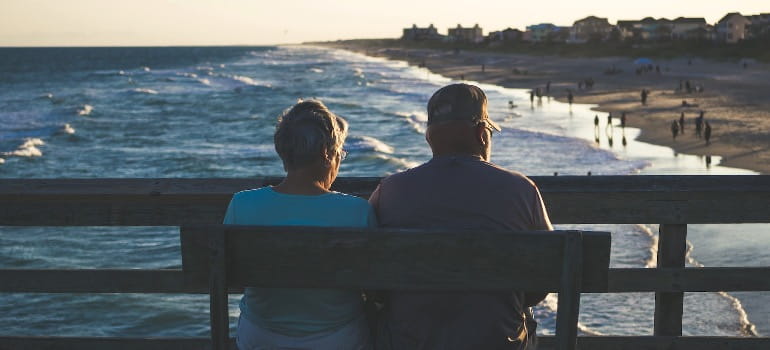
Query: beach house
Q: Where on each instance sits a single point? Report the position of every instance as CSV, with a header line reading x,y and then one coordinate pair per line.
x,y
591,28
732,28
544,32
508,35
416,33
760,25
684,28
472,35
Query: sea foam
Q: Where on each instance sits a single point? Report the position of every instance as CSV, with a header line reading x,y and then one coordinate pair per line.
x,y
28,149
68,129
145,91
85,110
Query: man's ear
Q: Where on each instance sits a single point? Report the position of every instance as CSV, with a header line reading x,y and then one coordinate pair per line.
x,y
481,135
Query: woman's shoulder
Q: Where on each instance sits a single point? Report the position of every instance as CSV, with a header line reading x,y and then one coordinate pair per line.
x,y
347,199
252,194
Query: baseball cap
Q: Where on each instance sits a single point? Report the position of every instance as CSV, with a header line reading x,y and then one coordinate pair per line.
x,y
459,102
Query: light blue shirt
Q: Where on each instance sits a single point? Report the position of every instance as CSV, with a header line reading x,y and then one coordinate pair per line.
x,y
291,311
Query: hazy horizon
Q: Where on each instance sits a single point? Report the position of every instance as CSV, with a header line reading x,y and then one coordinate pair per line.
x,y
78,23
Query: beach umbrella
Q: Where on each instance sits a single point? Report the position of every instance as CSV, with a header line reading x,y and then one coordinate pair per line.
x,y
643,61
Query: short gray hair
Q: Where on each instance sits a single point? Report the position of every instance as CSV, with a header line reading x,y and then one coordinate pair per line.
x,y
305,130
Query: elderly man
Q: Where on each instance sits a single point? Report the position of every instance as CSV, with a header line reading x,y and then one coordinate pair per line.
x,y
459,188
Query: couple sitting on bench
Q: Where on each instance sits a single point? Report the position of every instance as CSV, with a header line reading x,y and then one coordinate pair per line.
x,y
458,188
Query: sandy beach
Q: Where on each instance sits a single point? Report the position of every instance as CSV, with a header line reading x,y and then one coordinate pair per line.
x,y
735,99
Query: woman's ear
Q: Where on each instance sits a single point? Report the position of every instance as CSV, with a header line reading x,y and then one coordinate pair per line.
x,y
326,157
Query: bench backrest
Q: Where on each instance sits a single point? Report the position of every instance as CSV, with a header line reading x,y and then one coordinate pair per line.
x,y
397,259
224,256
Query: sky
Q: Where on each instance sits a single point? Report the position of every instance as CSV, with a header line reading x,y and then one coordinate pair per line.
x,y
260,22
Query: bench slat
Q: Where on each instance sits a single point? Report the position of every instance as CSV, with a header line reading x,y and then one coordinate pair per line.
x,y
545,343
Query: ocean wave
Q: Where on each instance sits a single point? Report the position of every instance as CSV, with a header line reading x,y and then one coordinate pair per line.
x,y
68,129
316,70
146,69
367,143
2,161
748,328
417,120
28,149
145,91
85,110
204,81
187,75
244,79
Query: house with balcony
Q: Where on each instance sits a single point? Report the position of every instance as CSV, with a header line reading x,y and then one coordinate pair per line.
x,y
732,28
416,33
542,32
591,28
760,25
684,28
473,35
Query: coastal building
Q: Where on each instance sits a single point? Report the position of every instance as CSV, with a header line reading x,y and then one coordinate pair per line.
x,y
542,32
760,25
591,28
472,35
684,28
508,35
417,34
629,30
732,28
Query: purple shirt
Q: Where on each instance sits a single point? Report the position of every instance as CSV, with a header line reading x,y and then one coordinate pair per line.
x,y
461,192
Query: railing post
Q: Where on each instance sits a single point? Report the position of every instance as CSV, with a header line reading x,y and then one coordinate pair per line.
x,y
672,248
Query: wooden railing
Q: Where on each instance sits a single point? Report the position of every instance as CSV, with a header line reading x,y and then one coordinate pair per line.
x,y
672,201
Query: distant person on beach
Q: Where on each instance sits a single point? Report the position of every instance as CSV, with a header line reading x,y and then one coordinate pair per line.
x,y
570,97
707,133
681,123
459,188
699,124
623,120
548,87
531,96
644,95
596,120
674,129
609,119
308,139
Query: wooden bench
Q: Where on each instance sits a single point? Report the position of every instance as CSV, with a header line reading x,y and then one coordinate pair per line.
x,y
223,257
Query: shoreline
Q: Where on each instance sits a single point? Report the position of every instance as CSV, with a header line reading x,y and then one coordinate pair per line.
x,y
736,100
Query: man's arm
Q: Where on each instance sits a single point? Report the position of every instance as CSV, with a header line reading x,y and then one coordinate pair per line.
x,y
540,222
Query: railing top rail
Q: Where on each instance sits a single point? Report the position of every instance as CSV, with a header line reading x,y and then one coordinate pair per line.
x,y
570,199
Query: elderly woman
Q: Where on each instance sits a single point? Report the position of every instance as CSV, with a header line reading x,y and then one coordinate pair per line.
x,y
309,139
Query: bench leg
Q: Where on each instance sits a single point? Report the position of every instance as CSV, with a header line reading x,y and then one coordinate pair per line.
x,y
569,292
220,316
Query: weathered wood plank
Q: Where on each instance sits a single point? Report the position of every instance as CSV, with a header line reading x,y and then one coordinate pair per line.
x,y
545,343
620,280
669,306
661,343
107,343
570,199
318,257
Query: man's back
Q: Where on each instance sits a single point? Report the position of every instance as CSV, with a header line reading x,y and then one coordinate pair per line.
x,y
457,192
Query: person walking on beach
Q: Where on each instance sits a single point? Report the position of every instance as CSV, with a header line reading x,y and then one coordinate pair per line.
x,y
707,133
548,87
596,120
699,125
644,94
570,97
674,129
609,119
623,120
532,96
681,123
459,188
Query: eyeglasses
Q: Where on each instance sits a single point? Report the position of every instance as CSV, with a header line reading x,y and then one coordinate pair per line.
x,y
343,154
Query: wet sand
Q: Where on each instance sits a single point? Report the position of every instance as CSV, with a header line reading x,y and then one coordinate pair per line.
x,y
736,100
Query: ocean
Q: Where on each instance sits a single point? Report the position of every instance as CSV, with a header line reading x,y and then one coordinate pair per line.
x,y
196,112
